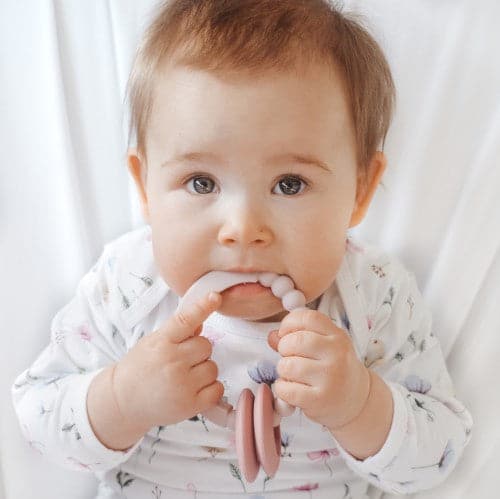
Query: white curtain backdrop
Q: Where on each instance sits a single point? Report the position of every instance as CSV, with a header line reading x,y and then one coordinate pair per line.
x,y
65,192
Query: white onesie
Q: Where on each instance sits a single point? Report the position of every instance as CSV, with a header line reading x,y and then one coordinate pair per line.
x,y
374,298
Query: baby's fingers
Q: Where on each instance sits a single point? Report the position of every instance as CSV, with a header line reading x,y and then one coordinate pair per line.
x,y
300,370
194,350
187,320
302,344
208,396
296,394
203,374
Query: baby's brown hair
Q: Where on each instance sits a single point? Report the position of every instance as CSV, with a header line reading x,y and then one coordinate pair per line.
x,y
251,37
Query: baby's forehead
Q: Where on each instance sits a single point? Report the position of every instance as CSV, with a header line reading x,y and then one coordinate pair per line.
x,y
238,115
306,89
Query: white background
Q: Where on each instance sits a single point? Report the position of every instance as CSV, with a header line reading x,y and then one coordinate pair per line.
x,y
65,191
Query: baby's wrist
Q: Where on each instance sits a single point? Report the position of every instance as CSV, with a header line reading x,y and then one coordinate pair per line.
x,y
363,399
367,433
108,423
128,420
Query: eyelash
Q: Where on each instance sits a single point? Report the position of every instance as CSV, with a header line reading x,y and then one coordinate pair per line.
x,y
288,175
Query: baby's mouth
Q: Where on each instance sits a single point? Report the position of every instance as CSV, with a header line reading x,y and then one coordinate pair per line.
x,y
251,284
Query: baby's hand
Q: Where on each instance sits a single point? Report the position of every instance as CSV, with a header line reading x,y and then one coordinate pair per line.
x,y
319,371
166,377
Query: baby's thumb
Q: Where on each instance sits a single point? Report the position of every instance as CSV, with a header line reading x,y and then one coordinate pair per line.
x,y
188,319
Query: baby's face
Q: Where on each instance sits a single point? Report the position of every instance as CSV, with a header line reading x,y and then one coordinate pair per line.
x,y
252,173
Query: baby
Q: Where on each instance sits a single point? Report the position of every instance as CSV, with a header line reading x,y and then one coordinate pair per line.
x,y
258,126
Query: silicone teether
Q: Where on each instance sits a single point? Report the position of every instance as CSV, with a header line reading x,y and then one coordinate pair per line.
x,y
219,280
267,437
256,421
245,442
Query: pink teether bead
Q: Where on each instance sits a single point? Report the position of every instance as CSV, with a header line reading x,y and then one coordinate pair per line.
x,y
245,436
267,436
281,286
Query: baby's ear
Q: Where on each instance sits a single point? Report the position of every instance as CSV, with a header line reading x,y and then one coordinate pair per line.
x,y
367,185
138,170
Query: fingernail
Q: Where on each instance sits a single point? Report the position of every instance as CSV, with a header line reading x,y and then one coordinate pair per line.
x,y
273,340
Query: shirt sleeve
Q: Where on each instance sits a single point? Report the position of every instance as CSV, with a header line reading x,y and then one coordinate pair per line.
x,y
430,427
50,396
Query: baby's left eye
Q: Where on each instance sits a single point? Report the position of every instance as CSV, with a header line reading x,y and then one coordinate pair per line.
x,y
290,184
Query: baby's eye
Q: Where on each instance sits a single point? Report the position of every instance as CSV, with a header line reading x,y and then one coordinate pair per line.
x,y
290,184
201,184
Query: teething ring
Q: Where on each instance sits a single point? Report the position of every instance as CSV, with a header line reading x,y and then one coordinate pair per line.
x,y
244,435
267,437
256,419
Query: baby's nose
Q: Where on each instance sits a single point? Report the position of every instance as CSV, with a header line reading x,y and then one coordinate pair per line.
x,y
235,235
245,228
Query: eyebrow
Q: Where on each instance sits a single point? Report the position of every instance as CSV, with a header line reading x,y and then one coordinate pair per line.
x,y
198,157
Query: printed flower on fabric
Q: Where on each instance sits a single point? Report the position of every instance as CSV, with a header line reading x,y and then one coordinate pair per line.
x,y
417,404
286,439
84,332
307,486
379,270
213,451
236,473
263,372
148,281
75,462
369,322
124,479
37,446
324,456
214,336
156,491
415,383
192,488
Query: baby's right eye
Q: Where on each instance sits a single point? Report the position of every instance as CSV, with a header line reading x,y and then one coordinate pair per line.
x,y
201,184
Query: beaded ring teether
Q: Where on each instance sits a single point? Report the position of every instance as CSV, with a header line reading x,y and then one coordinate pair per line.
x,y
256,420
